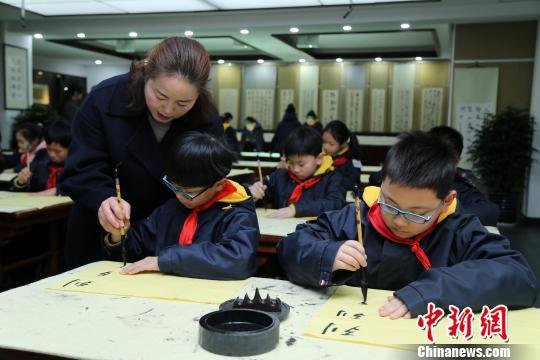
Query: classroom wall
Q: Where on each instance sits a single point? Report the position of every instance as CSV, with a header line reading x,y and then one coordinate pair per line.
x,y
60,66
7,116
531,205
97,73
227,89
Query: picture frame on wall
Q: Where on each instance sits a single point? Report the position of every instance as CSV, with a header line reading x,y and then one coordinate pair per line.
x,y
15,78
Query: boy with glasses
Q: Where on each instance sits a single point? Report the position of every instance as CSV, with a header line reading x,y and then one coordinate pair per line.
x,y
415,241
209,230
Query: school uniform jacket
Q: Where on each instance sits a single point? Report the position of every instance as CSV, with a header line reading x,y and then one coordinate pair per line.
x,y
350,172
327,194
223,247
104,134
39,167
470,266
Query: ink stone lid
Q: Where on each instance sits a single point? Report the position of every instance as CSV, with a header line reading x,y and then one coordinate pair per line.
x,y
238,332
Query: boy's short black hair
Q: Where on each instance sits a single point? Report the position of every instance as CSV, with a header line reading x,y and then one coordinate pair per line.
x,y
303,141
420,160
449,134
58,132
199,159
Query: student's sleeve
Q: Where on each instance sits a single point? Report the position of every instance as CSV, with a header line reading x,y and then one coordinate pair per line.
x,y
486,272
140,239
40,176
332,199
353,176
271,183
88,178
308,254
230,256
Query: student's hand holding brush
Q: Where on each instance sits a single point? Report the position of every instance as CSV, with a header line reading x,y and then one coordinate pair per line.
x,y
257,190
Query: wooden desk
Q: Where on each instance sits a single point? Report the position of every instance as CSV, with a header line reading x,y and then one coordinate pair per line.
x,y
19,212
77,325
266,166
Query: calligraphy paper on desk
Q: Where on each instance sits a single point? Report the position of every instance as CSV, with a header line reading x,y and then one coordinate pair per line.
x,y
344,318
104,278
13,202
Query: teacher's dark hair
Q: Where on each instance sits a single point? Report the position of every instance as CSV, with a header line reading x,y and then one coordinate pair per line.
x,y
180,57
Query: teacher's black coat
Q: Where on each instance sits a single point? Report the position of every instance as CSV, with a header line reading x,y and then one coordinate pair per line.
x,y
105,133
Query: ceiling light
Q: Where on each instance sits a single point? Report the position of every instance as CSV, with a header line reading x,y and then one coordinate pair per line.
x,y
294,29
66,88
339,60
188,33
98,62
133,34
405,26
38,36
378,59
221,61
418,58
347,27
260,61
81,35
40,73
244,31
301,60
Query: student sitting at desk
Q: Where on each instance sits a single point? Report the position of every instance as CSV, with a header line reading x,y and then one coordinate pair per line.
x,y
31,146
230,132
209,230
415,241
470,199
44,175
309,186
342,146
252,136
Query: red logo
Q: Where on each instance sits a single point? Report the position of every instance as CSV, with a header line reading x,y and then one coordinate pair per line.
x,y
493,322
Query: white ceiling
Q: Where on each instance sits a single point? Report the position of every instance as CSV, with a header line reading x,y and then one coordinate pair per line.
x,y
375,26
85,7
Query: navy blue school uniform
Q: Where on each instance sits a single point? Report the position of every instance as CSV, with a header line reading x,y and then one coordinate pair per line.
x,y
283,130
224,245
39,167
469,265
105,133
328,194
470,199
350,171
41,155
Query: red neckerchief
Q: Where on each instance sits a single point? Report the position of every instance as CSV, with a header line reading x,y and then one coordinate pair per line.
x,y
190,224
376,219
51,181
297,192
340,160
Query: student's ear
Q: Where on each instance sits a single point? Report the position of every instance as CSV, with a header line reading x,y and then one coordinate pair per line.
x,y
220,184
320,158
448,200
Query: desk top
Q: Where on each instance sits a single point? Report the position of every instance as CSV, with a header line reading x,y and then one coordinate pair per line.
x,y
277,227
111,327
255,154
239,172
7,177
17,202
254,164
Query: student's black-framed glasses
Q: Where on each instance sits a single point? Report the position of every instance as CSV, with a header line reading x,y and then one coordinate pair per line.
x,y
178,190
408,215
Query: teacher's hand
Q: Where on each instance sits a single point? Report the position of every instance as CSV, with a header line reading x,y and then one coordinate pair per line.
x,y
111,215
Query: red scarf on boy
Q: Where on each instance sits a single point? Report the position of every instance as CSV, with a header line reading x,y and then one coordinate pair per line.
x,y
51,180
340,160
376,219
297,192
190,224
